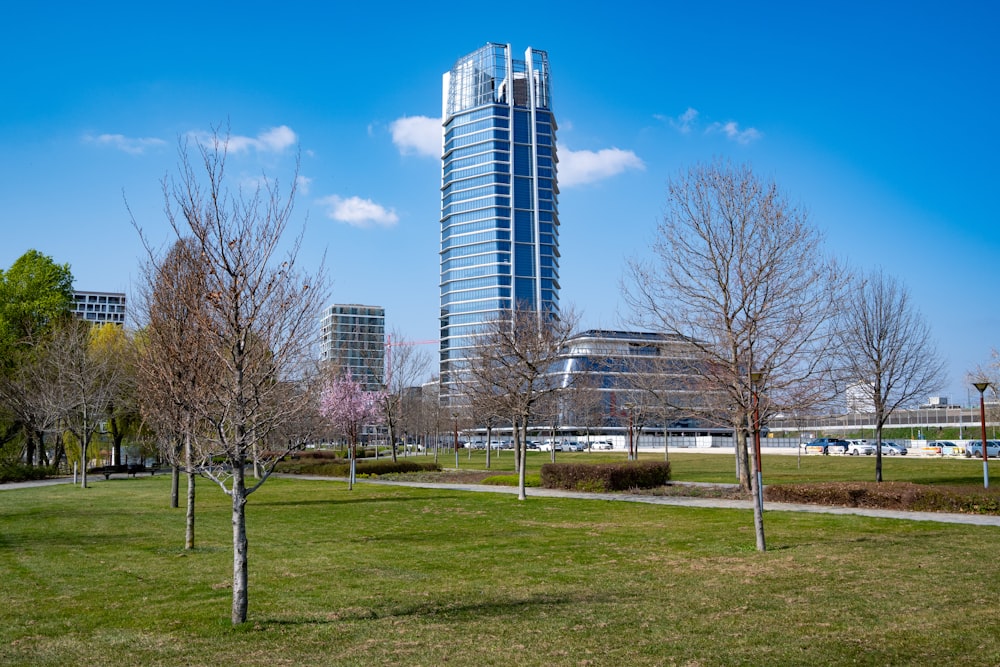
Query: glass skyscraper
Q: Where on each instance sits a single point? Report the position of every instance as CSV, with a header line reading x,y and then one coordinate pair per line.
x,y
499,213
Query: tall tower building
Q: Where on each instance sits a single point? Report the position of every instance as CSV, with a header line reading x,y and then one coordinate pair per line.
x,y
499,213
352,337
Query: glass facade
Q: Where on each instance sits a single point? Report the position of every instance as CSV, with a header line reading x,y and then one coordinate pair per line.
x,y
499,195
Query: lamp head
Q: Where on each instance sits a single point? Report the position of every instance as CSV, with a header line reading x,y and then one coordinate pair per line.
x,y
982,385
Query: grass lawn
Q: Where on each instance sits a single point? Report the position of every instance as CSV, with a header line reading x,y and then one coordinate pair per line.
x,y
403,576
692,466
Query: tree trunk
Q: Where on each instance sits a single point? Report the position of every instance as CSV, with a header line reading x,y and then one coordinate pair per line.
x,y
175,472
758,507
60,452
878,450
239,614
514,432
83,462
43,455
29,447
116,439
521,447
189,517
742,458
353,453
392,441
489,444
175,482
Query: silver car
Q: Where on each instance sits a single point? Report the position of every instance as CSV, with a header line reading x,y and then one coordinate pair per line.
x,y
892,449
975,449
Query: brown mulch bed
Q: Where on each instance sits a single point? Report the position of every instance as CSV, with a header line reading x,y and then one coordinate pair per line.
x,y
905,496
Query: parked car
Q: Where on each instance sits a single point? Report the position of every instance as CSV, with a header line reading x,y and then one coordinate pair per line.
x,y
601,444
826,446
945,448
860,447
573,447
892,449
975,449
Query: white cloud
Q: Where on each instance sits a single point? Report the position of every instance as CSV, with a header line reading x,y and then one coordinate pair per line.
x,y
684,122
358,212
273,140
303,183
733,132
418,135
582,167
131,145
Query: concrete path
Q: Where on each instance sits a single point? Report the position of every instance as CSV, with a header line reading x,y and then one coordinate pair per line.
x,y
680,501
687,501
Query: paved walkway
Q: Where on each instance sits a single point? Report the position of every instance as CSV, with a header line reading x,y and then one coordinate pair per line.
x,y
688,501
680,501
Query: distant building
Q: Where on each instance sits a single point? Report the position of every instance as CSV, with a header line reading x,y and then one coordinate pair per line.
x,y
499,198
860,397
353,338
615,376
100,307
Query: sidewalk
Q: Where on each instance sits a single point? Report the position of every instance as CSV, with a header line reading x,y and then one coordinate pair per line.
x,y
684,501
679,501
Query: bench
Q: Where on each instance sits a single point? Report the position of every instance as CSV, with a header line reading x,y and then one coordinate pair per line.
x,y
131,469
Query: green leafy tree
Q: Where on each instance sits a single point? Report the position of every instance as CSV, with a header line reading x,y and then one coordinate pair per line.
x,y
36,294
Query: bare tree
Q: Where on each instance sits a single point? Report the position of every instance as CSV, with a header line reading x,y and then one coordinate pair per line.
x,y
513,365
175,362
989,372
885,350
258,319
405,365
738,272
83,382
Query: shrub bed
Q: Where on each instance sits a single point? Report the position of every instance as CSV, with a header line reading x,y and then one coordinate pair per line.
x,y
323,463
603,477
18,472
890,496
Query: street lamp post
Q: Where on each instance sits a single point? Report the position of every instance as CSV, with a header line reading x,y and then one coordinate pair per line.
x,y
982,386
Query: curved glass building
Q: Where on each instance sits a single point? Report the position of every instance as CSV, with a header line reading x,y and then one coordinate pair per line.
x,y
499,213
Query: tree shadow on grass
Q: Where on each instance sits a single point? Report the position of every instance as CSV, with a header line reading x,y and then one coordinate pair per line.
x,y
364,500
485,608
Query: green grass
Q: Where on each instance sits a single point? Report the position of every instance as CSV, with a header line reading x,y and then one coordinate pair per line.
x,y
404,576
691,466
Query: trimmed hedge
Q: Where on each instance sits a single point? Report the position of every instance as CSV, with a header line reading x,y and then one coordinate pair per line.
x,y
328,466
890,496
19,472
603,477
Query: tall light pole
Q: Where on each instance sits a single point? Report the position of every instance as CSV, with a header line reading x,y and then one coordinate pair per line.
x,y
982,386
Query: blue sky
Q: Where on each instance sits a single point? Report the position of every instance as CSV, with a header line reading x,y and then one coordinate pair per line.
x,y
879,117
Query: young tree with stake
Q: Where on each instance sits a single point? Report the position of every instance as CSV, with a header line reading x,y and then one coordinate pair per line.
x,y
740,273
257,319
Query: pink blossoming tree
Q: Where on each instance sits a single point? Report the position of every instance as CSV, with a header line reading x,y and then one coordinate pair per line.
x,y
348,407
